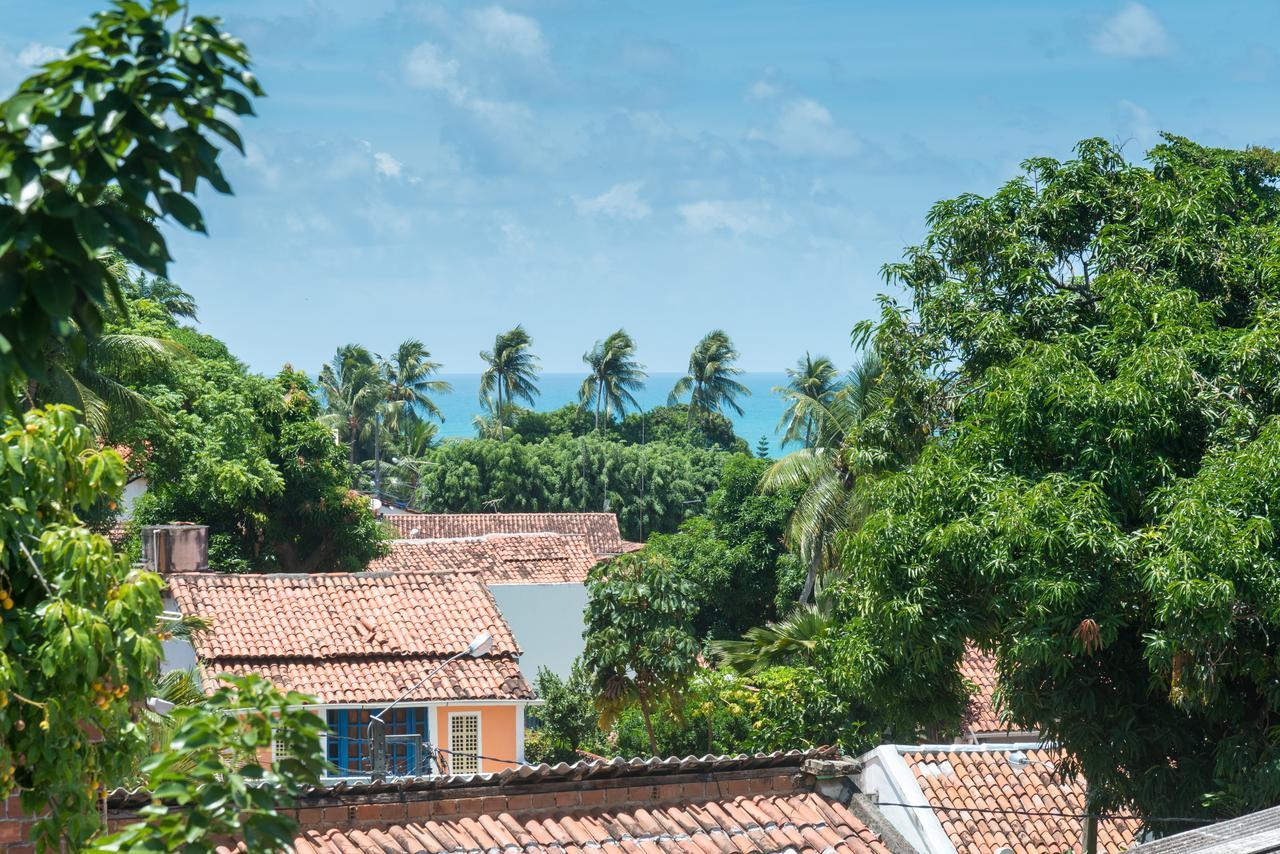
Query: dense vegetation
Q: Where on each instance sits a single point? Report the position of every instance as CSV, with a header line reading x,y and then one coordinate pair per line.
x,y
651,487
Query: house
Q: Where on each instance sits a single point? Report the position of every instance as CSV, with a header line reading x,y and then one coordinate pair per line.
x,y
358,642
599,529
538,581
761,803
982,723
984,798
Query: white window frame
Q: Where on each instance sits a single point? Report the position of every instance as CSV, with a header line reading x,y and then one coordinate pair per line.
x,y
479,717
276,755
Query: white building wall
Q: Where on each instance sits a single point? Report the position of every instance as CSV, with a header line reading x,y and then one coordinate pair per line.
x,y
133,490
547,621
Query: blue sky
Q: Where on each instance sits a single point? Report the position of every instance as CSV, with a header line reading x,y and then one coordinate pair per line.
x,y
446,170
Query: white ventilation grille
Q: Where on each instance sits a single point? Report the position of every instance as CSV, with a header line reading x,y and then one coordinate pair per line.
x,y
464,743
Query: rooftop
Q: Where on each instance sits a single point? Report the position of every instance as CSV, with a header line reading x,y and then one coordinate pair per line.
x,y
599,529
353,637
991,796
499,558
766,802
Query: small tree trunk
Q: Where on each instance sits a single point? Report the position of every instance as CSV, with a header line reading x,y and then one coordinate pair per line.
x,y
377,455
498,415
811,577
648,724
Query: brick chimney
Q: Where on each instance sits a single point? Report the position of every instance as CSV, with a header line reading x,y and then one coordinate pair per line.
x,y
175,548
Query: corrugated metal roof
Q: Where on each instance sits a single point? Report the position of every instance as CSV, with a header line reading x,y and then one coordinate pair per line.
x,y
1254,833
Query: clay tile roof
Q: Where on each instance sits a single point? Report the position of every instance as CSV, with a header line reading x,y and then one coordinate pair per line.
x,y
981,715
352,637
981,799
599,529
795,821
499,558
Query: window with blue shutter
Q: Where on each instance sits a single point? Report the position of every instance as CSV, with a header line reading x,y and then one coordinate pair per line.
x,y
349,741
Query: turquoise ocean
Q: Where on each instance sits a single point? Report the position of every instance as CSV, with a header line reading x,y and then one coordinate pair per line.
x,y
761,411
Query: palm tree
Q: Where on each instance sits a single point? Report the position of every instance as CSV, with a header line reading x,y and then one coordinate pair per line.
x,y
614,375
164,293
811,387
710,382
774,644
95,383
407,384
409,375
512,374
829,504
410,455
353,388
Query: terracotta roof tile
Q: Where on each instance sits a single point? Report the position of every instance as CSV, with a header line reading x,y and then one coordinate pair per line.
x,y
366,680
599,529
802,822
981,715
962,781
352,637
499,558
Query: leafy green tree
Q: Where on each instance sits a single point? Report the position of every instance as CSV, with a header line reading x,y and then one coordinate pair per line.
x,y
1097,346
710,382
130,109
250,458
762,448
566,721
639,642
77,640
615,374
210,784
511,374
811,389
733,554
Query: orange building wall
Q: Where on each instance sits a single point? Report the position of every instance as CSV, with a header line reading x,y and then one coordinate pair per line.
x,y
497,732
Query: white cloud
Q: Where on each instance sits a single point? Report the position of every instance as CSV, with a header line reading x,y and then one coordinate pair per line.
x,y
737,217
428,67
805,128
766,88
386,165
257,160
36,54
510,33
1134,33
1137,123
621,201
